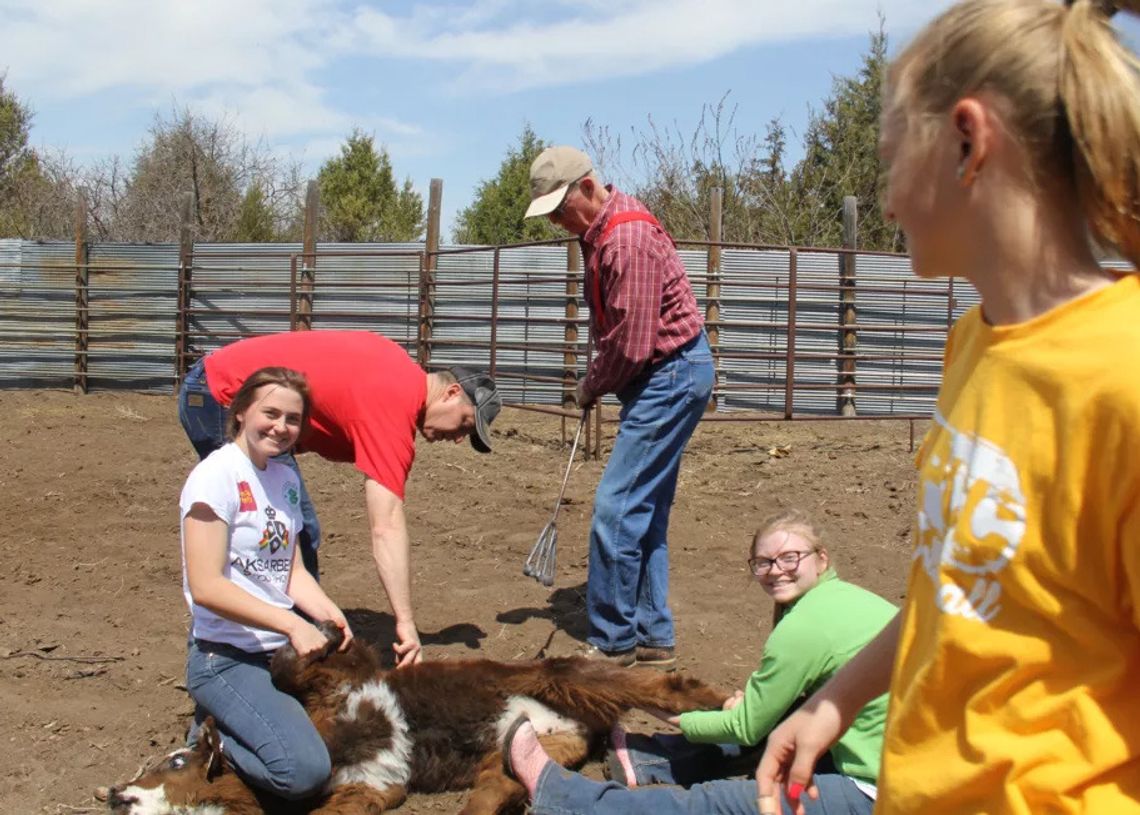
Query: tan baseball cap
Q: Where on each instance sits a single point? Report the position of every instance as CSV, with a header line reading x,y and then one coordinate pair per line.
x,y
551,175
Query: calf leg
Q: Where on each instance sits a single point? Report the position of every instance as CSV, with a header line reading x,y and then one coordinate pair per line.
x,y
677,693
494,791
361,799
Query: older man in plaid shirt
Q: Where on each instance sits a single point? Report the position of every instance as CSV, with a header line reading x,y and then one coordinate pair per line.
x,y
652,352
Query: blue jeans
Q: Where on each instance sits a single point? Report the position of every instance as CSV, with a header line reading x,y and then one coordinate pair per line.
x,y
627,587
562,792
204,421
670,758
266,734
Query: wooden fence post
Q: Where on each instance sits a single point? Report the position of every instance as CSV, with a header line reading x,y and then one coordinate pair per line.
x,y
845,401
185,290
427,274
82,301
712,290
570,335
306,284
790,344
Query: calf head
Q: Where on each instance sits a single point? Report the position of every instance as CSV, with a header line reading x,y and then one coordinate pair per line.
x,y
191,780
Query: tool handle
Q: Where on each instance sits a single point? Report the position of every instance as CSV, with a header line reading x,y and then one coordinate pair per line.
x,y
570,463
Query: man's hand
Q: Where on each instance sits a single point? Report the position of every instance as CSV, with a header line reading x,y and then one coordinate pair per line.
x,y
407,645
583,399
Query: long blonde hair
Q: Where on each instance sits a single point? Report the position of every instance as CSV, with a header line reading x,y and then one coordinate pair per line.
x,y
791,520
1073,91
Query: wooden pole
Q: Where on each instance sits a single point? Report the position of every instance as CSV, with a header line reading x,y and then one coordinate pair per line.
x,y
712,293
82,301
570,335
307,277
845,403
185,289
427,273
790,345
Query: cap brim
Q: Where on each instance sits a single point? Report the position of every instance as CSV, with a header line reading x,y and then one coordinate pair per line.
x,y
481,438
546,204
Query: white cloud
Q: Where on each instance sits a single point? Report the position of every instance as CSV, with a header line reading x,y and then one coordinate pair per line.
x,y
594,41
73,47
270,65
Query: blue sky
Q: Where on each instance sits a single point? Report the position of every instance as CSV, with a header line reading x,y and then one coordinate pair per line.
x,y
446,87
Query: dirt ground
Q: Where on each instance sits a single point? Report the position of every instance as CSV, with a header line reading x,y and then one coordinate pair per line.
x,y
93,624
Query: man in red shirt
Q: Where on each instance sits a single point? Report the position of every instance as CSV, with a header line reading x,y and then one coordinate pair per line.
x,y
652,352
368,400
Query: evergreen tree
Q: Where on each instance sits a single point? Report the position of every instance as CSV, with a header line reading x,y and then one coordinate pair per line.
x,y
842,158
255,221
37,192
496,215
359,198
15,121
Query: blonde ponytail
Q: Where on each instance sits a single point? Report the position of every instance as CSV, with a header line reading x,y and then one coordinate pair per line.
x,y
1073,91
1100,94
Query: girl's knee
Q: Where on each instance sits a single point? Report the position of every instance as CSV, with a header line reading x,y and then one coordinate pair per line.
x,y
305,775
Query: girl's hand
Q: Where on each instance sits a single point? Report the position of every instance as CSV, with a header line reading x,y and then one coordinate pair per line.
x,y
734,700
790,754
337,617
306,638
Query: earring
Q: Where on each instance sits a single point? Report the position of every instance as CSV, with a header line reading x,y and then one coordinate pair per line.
x,y
961,171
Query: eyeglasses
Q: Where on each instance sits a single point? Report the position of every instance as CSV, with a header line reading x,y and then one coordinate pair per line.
x,y
787,561
558,211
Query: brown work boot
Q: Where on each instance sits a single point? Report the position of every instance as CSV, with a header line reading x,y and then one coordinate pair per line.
x,y
661,658
624,659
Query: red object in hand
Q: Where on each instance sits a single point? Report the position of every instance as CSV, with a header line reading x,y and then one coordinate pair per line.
x,y
795,791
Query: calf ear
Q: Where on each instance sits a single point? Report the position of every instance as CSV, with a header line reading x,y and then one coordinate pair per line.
x,y
210,747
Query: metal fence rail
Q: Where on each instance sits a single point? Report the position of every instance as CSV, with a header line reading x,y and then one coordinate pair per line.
x,y
136,316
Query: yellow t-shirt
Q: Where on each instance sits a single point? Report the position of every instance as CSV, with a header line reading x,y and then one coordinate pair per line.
x,y
1017,684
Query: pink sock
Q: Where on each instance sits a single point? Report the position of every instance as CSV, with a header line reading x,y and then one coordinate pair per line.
x,y
621,751
528,759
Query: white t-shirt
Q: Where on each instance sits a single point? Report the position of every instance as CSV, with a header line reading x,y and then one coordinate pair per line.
x,y
262,509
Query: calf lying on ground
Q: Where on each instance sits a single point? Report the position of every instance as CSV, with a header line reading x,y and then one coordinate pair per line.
x,y
435,726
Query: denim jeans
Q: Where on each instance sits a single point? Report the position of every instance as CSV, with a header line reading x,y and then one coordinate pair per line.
x,y
204,421
627,586
562,792
670,758
266,734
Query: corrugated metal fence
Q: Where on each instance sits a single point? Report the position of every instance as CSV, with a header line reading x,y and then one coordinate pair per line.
x,y
515,309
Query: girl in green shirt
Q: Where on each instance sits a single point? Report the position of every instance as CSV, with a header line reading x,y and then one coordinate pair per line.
x,y
820,622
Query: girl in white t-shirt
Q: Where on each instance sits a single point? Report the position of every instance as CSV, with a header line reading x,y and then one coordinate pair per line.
x,y
241,516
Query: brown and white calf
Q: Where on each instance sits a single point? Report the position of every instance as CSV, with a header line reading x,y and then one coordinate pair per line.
x,y
432,727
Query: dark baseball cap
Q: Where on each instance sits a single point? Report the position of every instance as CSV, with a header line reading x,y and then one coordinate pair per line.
x,y
483,393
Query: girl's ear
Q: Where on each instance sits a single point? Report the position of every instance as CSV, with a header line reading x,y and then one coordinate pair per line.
x,y
826,558
975,134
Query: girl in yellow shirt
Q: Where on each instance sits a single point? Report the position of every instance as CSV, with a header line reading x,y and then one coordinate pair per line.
x,y
1012,132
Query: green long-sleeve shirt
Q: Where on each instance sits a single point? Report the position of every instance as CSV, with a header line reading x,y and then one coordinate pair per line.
x,y
816,636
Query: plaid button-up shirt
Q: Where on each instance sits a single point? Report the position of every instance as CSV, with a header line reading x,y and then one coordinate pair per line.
x,y
649,310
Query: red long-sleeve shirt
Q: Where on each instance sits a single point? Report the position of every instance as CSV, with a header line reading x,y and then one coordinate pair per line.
x,y
649,310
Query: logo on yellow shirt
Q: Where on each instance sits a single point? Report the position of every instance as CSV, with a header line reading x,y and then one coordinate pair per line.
x,y
971,520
